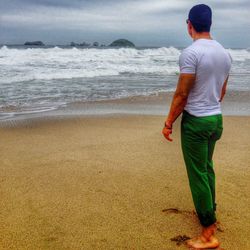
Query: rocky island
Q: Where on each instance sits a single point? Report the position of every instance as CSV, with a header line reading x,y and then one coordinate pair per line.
x,y
35,43
122,43
116,43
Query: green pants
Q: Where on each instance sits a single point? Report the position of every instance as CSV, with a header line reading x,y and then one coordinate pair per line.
x,y
198,138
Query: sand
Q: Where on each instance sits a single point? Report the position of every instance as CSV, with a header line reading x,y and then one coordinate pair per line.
x,y
114,182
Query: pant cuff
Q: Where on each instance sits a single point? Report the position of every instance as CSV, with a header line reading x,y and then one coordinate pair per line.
x,y
207,219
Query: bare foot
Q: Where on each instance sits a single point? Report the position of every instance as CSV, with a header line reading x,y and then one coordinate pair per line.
x,y
202,243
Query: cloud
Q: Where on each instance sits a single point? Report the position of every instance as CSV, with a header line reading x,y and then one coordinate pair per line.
x,y
128,17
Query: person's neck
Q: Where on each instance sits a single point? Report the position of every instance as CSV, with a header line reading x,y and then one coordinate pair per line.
x,y
204,35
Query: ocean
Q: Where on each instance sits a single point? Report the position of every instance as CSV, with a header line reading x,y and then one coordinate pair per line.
x,y
35,80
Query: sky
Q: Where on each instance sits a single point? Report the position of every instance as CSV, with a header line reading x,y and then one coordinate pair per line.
x,y
144,22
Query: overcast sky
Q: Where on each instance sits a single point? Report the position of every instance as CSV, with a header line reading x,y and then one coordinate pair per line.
x,y
144,22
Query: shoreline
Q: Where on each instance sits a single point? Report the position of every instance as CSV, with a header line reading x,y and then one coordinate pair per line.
x,y
235,103
50,120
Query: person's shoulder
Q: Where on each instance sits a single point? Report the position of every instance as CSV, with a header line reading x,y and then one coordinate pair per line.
x,y
224,49
188,60
218,43
190,51
220,46
193,49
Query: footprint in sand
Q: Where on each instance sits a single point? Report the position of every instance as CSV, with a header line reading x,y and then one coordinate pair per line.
x,y
173,210
180,239
177,211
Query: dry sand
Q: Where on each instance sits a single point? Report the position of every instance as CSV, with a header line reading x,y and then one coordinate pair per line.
x,y
104,182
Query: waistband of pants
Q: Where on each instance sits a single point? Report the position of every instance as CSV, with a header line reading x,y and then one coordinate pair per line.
x,y
185,113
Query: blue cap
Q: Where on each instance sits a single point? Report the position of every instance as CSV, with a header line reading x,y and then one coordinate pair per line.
x,y
200,17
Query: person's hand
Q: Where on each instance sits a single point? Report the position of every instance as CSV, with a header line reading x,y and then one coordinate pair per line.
x,y
167,131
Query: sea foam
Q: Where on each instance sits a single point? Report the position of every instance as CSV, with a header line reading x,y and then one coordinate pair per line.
x,y
38,79
57,63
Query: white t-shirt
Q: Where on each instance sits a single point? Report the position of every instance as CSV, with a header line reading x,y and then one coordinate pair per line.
x,y
211,63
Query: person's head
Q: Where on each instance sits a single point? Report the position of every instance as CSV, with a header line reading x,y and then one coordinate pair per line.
x,y
199,19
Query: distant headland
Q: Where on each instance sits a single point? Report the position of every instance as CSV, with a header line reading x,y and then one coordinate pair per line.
x,y
117,43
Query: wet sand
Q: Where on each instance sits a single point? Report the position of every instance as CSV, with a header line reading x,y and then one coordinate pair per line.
x,y
235,103
114,182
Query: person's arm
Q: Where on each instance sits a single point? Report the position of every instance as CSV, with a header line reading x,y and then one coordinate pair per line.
x,y
185,84
223,91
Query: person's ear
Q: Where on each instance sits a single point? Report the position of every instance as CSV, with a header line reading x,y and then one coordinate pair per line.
x,y
190,29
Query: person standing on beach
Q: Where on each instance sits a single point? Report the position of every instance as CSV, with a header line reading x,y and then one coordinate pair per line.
x,y
204,72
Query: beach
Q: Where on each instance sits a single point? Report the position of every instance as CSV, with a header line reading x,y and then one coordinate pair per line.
x,y
85,91
113,182
84,164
